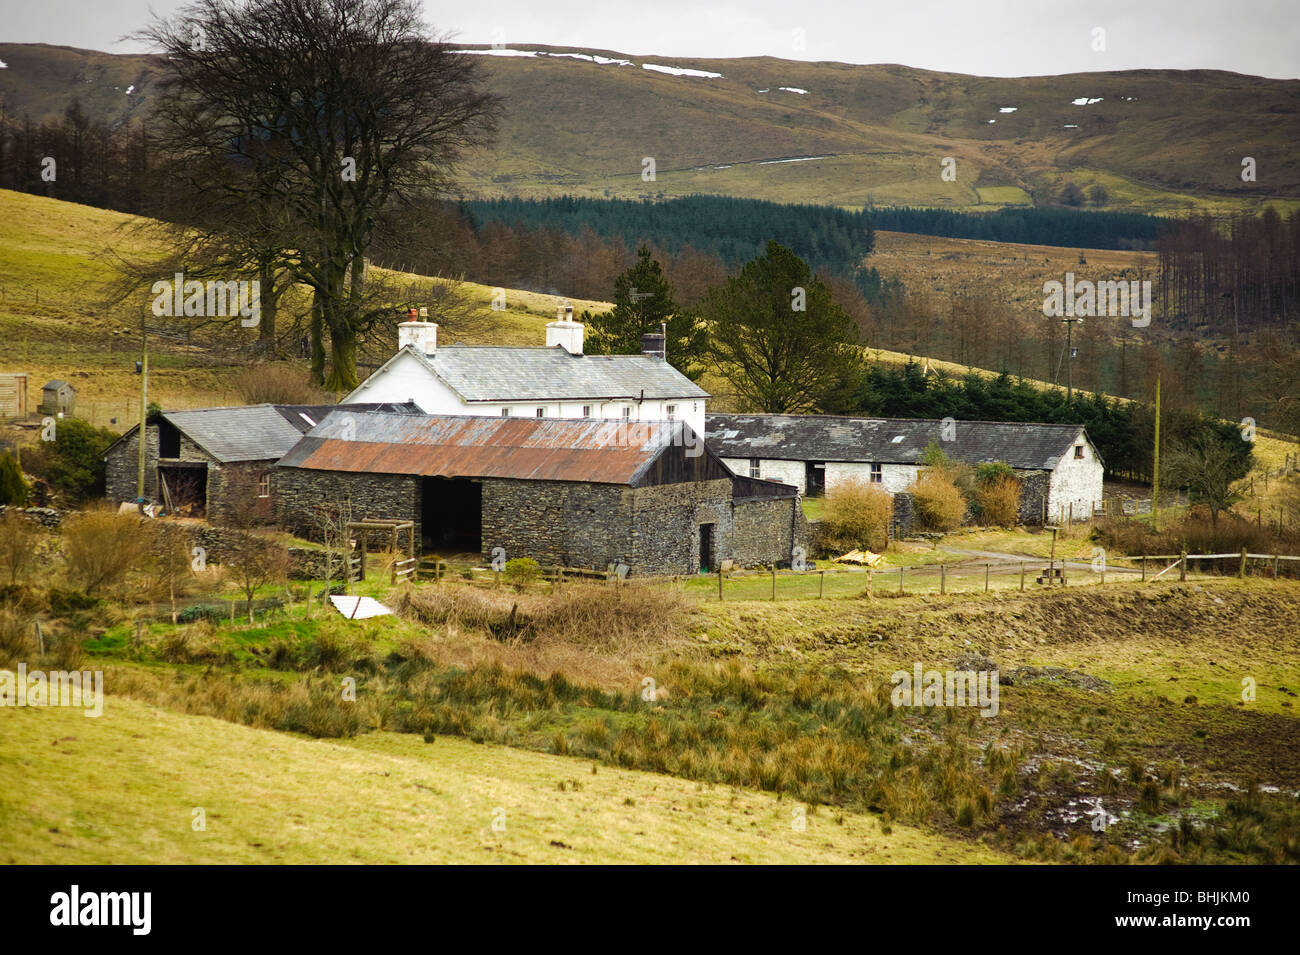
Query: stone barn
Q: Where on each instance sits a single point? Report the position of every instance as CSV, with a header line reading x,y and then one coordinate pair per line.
x,y
212,462
568,492
1059,468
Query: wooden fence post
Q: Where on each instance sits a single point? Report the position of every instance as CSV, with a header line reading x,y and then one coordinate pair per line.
x,y
773,581
943,579
1022,575
1241,570
1144,566
719,581
307,615
1275,566
1182,565
900,579
986,577
821,582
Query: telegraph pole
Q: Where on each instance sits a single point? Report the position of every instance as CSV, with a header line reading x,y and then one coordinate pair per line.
x,y
1155,468
141,435
1069,356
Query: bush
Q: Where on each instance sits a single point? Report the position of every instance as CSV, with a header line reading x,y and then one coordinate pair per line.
x,y
277,383
102,547
13,486
855,514
19,542
998,502
519,572
196,612
74,461
938,504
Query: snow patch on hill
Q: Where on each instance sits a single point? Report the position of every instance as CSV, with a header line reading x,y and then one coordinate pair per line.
x,y
1007,109
681,71
1085,101
794,89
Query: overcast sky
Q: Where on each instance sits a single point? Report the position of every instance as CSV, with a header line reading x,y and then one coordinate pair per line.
x,y
985,37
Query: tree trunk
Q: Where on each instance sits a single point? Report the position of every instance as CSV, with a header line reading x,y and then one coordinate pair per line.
x,y
269,304
317,340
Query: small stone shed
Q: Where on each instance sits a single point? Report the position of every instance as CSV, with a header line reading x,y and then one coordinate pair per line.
x,y
568,492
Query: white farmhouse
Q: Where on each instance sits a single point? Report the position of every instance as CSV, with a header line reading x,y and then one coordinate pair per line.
x,y
1059,468
558,381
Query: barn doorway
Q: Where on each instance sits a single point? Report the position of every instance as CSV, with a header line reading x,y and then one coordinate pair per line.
x,y
183,489
706,548
814,479
451,515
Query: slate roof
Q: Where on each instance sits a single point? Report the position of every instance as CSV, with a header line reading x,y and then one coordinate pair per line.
x,y
599,451
1024,445
252,432
508,373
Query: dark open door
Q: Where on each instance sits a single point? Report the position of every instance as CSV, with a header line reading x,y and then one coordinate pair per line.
x,y
706,548
814,479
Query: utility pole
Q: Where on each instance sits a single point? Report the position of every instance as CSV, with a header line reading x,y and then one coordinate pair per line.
x,y
1155,467
141,435
1069,356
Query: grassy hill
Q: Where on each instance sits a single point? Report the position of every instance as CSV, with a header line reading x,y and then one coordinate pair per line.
x,y
55,258
1159,140
122,789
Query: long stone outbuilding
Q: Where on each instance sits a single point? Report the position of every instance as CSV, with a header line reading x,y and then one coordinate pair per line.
x,y
570,492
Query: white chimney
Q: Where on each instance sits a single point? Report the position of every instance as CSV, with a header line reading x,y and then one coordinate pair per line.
x,y
423,336
565,332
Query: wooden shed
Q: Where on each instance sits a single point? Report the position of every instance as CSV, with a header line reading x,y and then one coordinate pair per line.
x,y
57,397
13,394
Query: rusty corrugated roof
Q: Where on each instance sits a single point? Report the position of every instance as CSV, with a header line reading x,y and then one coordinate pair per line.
x,y
539,449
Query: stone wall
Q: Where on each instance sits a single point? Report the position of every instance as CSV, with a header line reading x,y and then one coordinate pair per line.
x,y
767,530
380,496
904,514
558,522
122,468
1034,486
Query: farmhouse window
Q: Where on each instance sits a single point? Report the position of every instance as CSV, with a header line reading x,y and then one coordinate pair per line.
x,y
541,412
627,412
264,484
755,468
1078,452
672,411
586,411
877,473
505,412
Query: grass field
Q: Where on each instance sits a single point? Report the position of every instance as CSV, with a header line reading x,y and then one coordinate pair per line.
x,y
122,788
55,261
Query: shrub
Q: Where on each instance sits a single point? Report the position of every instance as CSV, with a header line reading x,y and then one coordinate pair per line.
x,y
19,539
213,613
13,486
519,572
102,547
74,461
277,383
17,632
855,514
939,505
998,502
